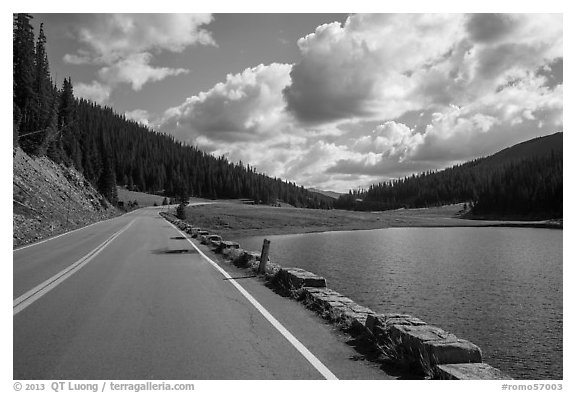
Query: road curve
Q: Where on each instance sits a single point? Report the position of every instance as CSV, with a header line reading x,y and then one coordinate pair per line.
x,y
118,300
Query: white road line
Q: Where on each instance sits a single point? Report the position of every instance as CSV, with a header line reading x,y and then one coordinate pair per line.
x,y
313,360
37,292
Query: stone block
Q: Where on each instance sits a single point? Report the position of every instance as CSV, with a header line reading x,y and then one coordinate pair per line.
x,y
459,351
311,290
227,245
207,239
215,243
402,319
469,371
317,292
434,344
386,320
299,278
360,309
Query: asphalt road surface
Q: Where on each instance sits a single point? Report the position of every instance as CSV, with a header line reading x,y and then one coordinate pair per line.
x,y
119,300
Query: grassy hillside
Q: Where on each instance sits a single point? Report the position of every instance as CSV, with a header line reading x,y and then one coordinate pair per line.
x,y
142,198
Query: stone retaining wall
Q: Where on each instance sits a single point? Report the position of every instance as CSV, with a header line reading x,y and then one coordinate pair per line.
x,y
409,340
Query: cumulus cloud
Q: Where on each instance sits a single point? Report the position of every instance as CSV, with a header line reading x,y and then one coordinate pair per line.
x,y
136,70
138,115
362,69
82,57
94,91
383,96
520,112
380,66
114,36
124,45
247,106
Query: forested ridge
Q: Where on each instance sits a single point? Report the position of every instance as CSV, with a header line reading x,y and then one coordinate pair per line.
x,y
523,181
108,149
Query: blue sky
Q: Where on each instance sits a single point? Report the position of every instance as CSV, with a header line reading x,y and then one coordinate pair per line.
x,y
331,101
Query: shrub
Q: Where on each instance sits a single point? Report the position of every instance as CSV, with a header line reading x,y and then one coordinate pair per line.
x,y
181,211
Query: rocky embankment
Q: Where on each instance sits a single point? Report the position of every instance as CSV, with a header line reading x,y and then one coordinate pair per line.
x,y
49,199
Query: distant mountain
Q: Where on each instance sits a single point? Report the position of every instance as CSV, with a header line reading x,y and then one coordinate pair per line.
x,y
521,182
330,194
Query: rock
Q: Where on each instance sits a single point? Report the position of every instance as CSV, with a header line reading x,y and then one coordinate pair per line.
x,y
386,320
298,278
214,243
227,245
469,371
434,344
199,234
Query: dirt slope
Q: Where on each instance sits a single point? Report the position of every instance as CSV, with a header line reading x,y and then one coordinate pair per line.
x,y
49,199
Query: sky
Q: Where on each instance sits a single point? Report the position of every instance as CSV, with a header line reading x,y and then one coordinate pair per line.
x,y
330,101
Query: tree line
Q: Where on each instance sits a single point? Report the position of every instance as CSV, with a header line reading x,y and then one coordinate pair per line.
x,y
109,149
529,187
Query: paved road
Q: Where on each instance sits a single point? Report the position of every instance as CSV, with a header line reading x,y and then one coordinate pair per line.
x,y
111,301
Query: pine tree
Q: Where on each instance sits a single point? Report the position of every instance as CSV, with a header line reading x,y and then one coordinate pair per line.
x,y
67,126
23,70
44,125
107,181
66,108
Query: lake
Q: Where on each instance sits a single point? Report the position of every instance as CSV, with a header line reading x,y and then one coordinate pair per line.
x,y
500,288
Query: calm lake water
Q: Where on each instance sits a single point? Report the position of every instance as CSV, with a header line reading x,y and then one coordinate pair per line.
x,y
500,288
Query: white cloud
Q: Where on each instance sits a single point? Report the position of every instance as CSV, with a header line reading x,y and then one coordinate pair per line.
x,y
362,69
247,106
455,134
380,66
139,115
390,139
136,70
124,45
77,59
111,37
341,116
94,91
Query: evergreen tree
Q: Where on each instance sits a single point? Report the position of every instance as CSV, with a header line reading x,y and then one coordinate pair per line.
x,y
107,181
23,75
